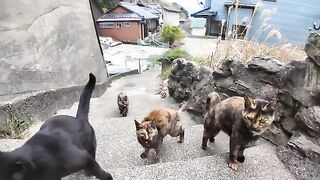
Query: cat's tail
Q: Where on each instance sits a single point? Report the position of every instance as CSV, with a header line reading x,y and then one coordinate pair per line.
x,y
84,103
212,100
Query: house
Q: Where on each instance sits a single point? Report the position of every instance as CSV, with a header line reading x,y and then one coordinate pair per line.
x,y
96,11
170,15
154,8
266,21
127,22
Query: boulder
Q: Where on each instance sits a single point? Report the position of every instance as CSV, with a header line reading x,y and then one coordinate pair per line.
x,y
183,78
309,120
312,47
302,156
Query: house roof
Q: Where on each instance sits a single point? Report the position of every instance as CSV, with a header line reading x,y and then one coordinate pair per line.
x,y
204,12
119,17
153,11
242,4
154,6
171,9
142,12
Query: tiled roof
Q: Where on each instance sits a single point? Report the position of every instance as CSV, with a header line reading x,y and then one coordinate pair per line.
x,y
204,12
171,8
244,3
139,10
153,11
119,17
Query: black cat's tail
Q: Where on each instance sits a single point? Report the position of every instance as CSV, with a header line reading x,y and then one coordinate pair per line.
x,y
84,103
212,100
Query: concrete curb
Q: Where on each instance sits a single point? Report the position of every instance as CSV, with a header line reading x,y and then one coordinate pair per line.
x,y
41,105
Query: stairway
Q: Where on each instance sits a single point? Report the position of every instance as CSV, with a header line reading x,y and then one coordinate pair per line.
x,y
118,150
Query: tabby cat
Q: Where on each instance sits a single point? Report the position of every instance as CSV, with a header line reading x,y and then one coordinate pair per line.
x,y
123,104
242,118
155,126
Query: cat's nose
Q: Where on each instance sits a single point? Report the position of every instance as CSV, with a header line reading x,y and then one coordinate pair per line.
x,y
255,126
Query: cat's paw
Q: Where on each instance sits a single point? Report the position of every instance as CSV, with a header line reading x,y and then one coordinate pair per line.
x,y
181,141
212,139
204,147
107,176
144,155
158,159
233,165
241,159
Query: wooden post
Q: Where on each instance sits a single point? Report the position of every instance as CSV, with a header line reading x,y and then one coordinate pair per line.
x,y
140,66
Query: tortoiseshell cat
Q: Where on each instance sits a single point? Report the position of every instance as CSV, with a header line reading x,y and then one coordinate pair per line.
x,y
155,126
242,118
123,104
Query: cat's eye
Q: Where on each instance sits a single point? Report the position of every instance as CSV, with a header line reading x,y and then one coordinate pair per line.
x,y
249,118
263,121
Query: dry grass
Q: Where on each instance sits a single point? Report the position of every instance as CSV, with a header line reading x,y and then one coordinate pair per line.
x,y
245,49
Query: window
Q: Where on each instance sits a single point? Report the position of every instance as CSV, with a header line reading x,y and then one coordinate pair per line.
x,y
127,24
107,25
119,25
241,31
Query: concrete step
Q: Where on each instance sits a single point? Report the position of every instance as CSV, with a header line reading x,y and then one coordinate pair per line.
x,y
261,163
118,146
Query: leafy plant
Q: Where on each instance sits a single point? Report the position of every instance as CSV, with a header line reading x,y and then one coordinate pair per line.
x,y
17,126
166,72
175,53
171,34
106,4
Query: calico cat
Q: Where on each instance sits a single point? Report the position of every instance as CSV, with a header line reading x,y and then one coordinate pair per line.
x,y
155,126
123,104
242,118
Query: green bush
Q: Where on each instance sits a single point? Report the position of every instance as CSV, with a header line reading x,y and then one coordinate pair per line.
x,y
170,56
166,72
17,126
173,54
171,34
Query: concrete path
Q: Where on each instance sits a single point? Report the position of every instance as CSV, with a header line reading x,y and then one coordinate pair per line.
x,y
199,47
118,149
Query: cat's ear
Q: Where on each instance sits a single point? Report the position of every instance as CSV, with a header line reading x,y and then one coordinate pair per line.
x,y
137,124
248,102
18,170
270,106
153,124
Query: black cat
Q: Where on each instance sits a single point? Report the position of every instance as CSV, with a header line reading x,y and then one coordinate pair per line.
x,y
62,146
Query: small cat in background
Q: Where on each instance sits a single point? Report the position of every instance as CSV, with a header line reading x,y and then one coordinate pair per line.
x,y
242,118
123,104
155,126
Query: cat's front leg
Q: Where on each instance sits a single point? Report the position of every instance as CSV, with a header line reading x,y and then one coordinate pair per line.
x,y
205,138
235,144
159,150
158,153
145,153
241,157
181,135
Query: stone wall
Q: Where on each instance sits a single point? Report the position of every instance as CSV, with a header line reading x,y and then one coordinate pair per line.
x,y
39,106
47,44
296,86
